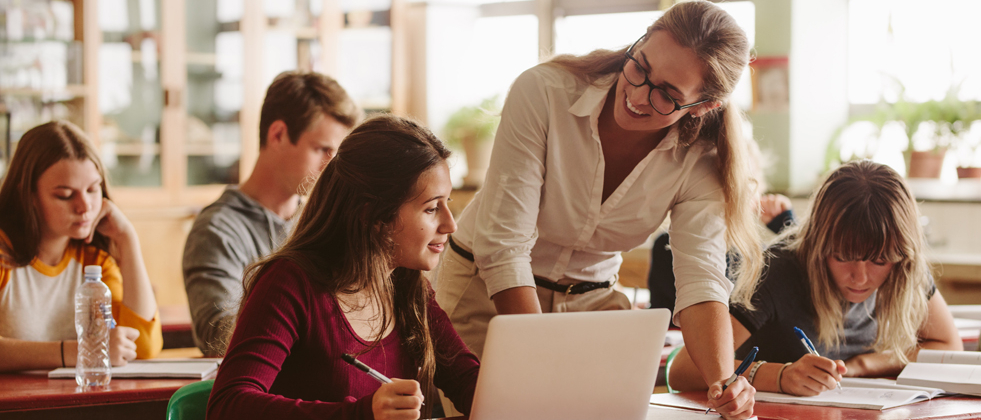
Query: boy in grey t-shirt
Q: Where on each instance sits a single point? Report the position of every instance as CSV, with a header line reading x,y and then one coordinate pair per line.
x,y
304,118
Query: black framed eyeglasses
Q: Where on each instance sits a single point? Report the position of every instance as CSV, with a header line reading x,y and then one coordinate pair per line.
x,y
636,75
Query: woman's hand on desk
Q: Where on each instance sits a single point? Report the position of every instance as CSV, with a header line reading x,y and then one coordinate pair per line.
x,y
122,345
399,400
736,402
811,375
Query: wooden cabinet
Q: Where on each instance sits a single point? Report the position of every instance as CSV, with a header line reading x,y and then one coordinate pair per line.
x,y
171,90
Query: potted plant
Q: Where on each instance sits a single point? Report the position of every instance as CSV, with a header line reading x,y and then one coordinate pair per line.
x,y
931,129
472,128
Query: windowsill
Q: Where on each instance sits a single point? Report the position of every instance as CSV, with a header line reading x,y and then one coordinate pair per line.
x,y
964,190
935,190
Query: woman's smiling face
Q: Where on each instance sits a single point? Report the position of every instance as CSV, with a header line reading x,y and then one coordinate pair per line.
x,y
668,65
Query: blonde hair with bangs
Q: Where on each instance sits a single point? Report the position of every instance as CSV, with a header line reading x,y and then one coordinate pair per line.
x,y
865,211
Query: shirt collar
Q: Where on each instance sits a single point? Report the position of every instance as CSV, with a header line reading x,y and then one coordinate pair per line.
x,y
591,102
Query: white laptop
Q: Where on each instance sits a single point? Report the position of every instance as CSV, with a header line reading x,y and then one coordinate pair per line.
x,y
570,366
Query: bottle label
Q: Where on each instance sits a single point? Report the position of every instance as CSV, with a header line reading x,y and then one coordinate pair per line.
x,y
107,314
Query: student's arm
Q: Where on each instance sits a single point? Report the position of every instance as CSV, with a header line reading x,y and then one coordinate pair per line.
x,y
517,300
709,336
125,249
507,216
17,355
213,266
810,375
456,374
26,355
938,333
134,336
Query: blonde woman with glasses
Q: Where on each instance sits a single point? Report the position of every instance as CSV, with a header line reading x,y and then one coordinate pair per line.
x,y
853,277
592,154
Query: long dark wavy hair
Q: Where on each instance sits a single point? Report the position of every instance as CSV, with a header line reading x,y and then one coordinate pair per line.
x,y
342,239
39,149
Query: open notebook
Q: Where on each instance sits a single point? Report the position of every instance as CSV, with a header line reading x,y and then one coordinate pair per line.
x,y
154,368
953,371
871,394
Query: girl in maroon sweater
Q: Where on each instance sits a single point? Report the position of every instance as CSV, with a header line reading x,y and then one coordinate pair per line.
x,y
349,280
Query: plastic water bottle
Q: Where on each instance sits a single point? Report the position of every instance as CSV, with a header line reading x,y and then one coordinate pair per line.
x,y
93,320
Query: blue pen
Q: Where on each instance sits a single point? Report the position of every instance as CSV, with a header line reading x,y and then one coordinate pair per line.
x,y
739,370
809,346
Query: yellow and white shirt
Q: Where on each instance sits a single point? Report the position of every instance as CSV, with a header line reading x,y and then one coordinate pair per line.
x,y
37,301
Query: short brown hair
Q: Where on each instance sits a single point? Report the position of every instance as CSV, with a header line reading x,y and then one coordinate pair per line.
x,y
299,97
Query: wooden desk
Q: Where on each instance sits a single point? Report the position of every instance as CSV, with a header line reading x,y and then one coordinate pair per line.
x,y
175,324
950,408
33,396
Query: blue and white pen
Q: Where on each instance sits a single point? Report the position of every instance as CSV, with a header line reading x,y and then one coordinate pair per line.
x,y
750,357
809,346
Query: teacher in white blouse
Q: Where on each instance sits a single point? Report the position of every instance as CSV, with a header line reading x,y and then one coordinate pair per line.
x,y
592,154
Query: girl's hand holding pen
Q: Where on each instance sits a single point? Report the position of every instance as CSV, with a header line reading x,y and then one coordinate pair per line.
x,y
812,375
399,400
736,401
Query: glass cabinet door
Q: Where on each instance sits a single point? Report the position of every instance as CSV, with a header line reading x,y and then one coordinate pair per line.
x,y
365,53
130,91
215,65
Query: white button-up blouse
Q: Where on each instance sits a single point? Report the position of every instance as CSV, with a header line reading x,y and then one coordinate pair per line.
x,y
540,211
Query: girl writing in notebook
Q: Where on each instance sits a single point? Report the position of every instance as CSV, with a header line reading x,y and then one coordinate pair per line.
x,y
348,280
592,154
853,277
57,218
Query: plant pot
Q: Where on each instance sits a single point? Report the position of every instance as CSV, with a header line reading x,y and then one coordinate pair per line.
x,y
478,153
972,172
926,164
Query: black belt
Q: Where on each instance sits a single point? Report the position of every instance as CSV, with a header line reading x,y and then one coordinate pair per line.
x,y
572,289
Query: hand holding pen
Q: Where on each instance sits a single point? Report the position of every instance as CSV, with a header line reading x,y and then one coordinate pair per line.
x,y
812,374
395,399
747,361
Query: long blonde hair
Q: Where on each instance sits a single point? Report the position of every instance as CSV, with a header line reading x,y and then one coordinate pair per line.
x,y
723,48
865,211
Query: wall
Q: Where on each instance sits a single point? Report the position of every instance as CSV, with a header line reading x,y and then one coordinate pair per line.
x,y
813,36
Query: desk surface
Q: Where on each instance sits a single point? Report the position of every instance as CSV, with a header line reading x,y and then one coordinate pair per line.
x,y
34,391
955,407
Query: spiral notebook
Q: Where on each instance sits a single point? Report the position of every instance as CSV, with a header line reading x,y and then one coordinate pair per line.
x,y
154,368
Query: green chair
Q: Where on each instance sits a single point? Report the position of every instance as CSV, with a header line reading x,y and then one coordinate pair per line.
x,y
667,368
190,402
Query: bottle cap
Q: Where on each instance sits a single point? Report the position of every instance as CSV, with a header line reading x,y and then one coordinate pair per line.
x,y
93,270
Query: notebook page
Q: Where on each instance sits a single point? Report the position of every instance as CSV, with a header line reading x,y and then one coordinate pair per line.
x,y
659,413
954,357
866,398
142,369
887,384
963,379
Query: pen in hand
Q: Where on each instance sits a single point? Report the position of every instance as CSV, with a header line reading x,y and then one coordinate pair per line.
x,y
750,357
810,347
367,369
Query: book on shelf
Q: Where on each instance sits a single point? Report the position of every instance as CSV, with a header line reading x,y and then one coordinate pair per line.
x,y
154,368
956,372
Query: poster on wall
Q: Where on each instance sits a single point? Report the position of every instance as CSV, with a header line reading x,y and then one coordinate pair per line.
x,y
771,84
